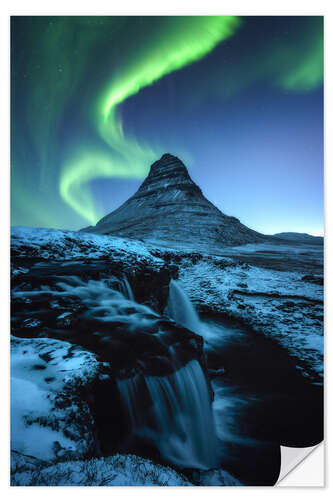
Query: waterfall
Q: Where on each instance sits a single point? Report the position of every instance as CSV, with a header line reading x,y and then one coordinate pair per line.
x,y
174,412
181,309
103,299
171,412
126,289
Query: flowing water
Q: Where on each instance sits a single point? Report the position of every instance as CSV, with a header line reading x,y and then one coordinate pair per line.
x,y
171,413
261,400
178,418
181,310
109,301
127,289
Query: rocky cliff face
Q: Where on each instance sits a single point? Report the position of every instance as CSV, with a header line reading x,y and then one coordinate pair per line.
x,y
170,208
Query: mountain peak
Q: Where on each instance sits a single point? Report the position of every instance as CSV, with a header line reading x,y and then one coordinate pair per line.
x,y
167,173
167,163
168,156
170,208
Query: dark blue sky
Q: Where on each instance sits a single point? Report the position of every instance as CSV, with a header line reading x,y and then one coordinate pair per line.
x,y
246,118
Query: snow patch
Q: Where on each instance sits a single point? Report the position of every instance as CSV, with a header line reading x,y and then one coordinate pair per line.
x,y
73,245
117,470
45,372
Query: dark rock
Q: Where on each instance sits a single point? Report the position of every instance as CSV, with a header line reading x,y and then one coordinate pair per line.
x,y
317,280
216,373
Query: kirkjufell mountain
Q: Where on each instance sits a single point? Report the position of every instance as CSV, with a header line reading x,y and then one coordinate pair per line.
x,y
169,207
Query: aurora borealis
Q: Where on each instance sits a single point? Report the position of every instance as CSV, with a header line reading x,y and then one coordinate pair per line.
x,y
95,100
193,37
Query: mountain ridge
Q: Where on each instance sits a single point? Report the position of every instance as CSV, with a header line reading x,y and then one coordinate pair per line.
x,y
299,237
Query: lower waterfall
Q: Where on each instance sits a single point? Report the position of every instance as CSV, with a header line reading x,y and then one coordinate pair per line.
x,y
174,412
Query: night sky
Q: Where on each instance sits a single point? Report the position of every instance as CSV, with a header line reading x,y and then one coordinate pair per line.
x,y
95,100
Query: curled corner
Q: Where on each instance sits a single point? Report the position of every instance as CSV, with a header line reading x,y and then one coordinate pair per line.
x,y
292,457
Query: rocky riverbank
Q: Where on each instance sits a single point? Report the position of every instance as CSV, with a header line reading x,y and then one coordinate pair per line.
x,y
92,342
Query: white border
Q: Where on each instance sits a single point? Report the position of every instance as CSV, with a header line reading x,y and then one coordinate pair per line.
x,y
140,7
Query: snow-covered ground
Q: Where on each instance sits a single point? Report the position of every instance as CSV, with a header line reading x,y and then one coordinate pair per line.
x,y
117,470
272,247
279,304
68,245
49,417
52,422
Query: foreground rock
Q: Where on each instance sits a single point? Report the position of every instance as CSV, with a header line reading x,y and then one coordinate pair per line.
x,y
117,470
170,208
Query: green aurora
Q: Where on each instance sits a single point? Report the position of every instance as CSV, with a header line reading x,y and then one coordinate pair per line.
x,y
192,38
61,51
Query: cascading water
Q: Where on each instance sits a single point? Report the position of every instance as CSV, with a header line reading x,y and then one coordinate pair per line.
x,y
173,412
103,300
126,289
181,309
183,312
178,418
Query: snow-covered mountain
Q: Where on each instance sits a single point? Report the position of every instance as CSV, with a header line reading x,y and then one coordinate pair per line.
x,y
169,207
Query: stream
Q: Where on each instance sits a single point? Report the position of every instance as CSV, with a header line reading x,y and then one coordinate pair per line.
x,y
261,400
164,412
